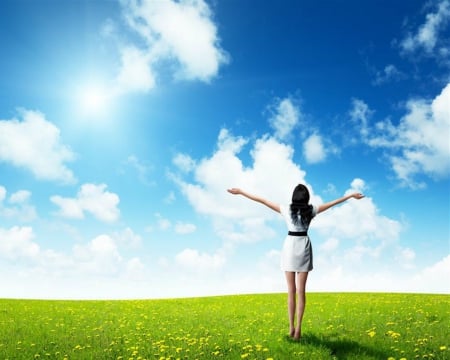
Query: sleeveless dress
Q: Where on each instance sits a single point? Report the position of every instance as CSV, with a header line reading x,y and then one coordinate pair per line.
x,y
297,254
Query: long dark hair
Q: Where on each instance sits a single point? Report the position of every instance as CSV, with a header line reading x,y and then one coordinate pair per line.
x,y
300,206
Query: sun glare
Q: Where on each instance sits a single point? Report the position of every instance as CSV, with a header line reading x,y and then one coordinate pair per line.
x,y
93,101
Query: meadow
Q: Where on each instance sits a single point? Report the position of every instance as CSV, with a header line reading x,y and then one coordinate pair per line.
x,y
336,326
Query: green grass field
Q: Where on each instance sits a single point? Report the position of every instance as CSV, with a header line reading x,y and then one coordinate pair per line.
x,y
336,326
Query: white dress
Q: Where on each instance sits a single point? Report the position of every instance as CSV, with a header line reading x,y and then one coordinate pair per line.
x,y
297,254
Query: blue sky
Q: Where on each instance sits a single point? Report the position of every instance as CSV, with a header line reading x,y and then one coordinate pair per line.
x,y
122,124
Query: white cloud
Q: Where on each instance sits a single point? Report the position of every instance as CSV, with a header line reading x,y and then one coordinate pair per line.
x,y
17,242
361,113
227,142
184,228
19,197
423,136
357,184
406,257
433,278
200,261
393,277
35,144
427,35
127,238
285,118
313,149
418,144
19,207
99,256
358,220
141,169
135,73
330,245
135,269
235,220
389,73
272,164
180,34
95,269
91,198
184,162
163,223
355,233
170,198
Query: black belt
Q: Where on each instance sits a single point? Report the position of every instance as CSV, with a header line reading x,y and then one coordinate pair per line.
x,y
298,233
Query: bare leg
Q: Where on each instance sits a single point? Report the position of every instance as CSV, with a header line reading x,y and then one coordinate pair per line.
x,y
301,289
290,280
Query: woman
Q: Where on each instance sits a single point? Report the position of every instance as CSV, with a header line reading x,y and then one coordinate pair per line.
x,y
296,257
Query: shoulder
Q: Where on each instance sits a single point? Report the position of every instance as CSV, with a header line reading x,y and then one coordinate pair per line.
x,y
315,209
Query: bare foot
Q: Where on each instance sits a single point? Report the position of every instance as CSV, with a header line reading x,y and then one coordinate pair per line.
x,y
297,334
292,332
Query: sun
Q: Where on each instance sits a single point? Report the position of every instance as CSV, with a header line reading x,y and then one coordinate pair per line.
x,y
93,100
94,103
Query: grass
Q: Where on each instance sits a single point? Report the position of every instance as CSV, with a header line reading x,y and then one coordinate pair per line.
x,y
336,326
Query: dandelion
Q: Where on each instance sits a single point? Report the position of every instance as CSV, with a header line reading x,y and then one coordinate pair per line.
x,y
371,333
442,348
243,356
393,334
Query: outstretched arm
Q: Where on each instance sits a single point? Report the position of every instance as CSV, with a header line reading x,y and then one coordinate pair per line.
x,y
269,204
330,204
